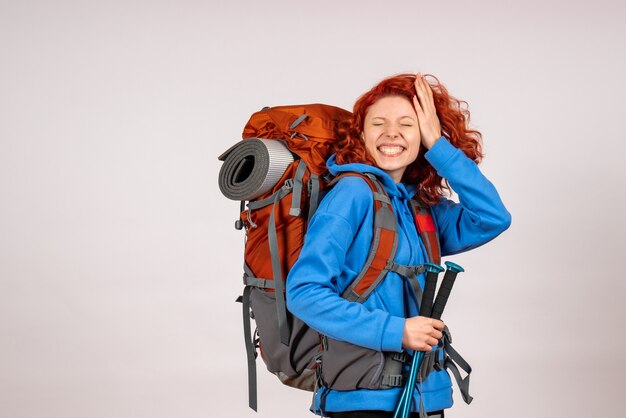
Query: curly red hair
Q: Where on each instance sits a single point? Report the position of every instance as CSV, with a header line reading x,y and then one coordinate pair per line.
x,y
453,119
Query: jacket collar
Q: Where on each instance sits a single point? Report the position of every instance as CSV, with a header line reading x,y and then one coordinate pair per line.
x,y
400,190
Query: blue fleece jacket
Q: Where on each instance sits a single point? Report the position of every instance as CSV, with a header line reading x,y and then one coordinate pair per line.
x,y
336,247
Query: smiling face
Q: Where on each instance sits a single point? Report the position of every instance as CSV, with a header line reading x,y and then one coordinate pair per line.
x,y
391,135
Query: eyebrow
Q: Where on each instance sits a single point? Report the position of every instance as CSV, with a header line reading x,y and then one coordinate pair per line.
x,y
401,117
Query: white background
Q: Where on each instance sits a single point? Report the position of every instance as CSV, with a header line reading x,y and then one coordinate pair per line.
x,y
119,263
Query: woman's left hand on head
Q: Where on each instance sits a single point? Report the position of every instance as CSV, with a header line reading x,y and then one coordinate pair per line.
x,y
430,128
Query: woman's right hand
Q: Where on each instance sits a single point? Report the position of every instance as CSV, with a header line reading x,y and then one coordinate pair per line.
x,y
421,333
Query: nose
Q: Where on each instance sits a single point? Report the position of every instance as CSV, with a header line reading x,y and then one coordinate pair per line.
x,y
392,131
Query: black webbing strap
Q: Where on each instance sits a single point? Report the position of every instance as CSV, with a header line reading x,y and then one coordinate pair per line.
x,y
250,349
323,396
411,273
258,283
239,222
258,204
281,308
247,271
417,290
453,359
406,271
418,387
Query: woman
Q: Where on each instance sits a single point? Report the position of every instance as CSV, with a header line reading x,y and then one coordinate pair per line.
x,y
411,136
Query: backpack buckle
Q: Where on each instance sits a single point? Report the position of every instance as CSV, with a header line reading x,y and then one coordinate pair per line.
x,y
401,357
390,265
437,364
393,380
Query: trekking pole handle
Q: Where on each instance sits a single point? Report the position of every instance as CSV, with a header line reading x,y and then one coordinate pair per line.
x,y
445,289
432,271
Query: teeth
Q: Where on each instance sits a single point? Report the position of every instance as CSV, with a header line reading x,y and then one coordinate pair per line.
x,y
390,150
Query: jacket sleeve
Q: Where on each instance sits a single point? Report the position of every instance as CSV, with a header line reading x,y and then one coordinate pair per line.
x,y
480,216
313,287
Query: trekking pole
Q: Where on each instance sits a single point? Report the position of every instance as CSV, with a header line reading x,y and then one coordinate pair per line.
x,y
437,310
403,409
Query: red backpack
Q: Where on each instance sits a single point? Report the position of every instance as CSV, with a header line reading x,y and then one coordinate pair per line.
x,y
278,172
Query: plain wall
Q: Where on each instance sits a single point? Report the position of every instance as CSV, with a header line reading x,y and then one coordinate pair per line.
x,y
119,263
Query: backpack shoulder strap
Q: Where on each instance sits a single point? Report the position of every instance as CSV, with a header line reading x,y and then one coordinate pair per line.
x,y
384,244
427,229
